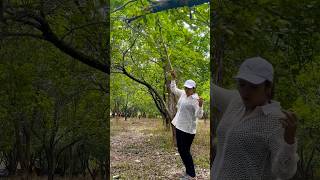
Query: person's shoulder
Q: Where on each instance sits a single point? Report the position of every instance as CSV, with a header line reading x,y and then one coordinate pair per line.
x,y
274,110
235,104
236,100
182,94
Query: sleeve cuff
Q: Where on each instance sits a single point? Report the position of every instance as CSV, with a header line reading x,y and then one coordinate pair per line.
x,y
290,148
172,84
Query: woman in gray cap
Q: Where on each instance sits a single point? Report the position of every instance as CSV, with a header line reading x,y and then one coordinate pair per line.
x,y
255,138
189,108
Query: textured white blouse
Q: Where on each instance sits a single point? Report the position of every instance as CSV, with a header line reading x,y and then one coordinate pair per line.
x,y
251,147
188,110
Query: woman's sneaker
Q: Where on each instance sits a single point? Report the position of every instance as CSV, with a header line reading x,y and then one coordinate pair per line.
x,y
185,176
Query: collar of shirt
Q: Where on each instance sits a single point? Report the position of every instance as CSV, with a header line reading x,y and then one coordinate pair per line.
x,y
273,107
195,96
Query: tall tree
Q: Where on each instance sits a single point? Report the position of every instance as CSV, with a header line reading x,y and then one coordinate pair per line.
x,y
160,38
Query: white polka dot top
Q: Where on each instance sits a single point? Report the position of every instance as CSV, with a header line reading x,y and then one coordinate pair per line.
x,y
251,147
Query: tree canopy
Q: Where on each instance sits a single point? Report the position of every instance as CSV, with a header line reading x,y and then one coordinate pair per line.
x,y
145,49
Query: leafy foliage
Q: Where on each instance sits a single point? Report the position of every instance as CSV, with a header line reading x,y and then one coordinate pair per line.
x,y
144,46
286,33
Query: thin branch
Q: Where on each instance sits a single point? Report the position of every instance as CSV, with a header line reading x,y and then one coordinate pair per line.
x,y
203,18
36,36
81,27
24,17
63,135
156,62
100,85
57,4
136,30
163,43
116,72
129,20
127,50
68,146
123,6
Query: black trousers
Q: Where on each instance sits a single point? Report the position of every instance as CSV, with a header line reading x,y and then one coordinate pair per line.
x,y
184,141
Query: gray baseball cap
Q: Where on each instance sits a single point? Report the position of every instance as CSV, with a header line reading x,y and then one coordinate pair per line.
x,y
190,84
255,70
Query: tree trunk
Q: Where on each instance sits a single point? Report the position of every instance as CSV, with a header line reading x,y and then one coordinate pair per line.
x,y
92,174
217,39
11,163
126,108
51,163
26,144
107,159
18,135
102,169
169,99
171,104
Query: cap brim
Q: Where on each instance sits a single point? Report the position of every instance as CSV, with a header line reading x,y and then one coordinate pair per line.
x,y
188,86
250,78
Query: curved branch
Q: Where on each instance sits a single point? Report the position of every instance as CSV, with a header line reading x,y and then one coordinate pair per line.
x,y
80,27
123,6
154,93
169,4
61,45
163,5
35,20
36,36
127,50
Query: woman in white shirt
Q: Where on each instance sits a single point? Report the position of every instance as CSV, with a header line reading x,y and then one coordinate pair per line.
x,y
189,108
255,138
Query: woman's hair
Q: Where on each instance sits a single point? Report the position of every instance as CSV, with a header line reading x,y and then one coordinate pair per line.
x,y
269,84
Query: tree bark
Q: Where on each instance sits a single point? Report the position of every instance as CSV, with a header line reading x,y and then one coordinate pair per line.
x,y
126,107
166,67
162,5
51,163
217,49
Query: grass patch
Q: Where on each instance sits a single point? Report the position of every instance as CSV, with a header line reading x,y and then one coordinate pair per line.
x,y
162,142
202,161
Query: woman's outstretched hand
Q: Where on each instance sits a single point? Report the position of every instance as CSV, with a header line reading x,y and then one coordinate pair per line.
x,y
200,100
290,126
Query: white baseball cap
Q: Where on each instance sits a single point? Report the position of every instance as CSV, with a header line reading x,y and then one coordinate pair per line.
x,y
190,84
255,70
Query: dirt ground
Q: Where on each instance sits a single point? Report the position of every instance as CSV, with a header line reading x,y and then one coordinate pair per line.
x,y
142,149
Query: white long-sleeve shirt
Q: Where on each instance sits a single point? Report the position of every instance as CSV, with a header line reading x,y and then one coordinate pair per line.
x,y
188,110
251,147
